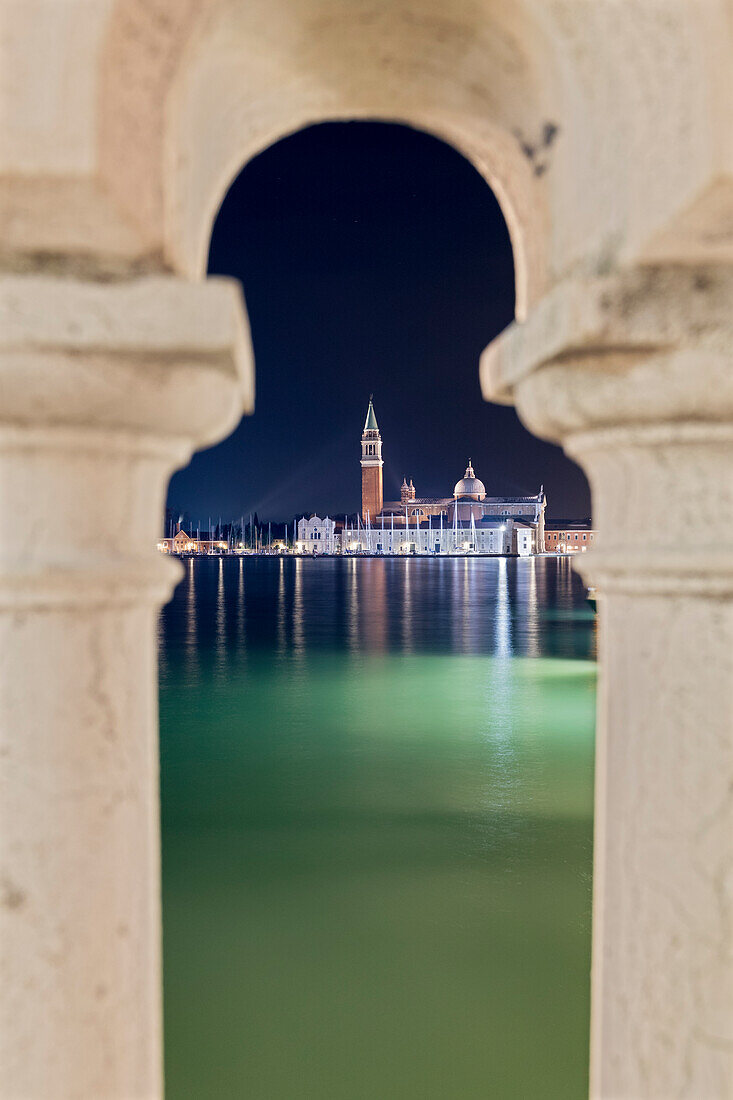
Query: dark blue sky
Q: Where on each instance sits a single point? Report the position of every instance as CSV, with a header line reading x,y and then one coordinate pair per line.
x,y
374,258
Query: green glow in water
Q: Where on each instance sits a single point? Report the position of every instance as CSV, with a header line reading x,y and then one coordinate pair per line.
x,y
376,869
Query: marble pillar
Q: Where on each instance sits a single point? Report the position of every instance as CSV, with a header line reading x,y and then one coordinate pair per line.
x,y
633,374
105,389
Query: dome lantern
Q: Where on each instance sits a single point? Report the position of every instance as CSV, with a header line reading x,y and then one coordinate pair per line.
x,y
469,487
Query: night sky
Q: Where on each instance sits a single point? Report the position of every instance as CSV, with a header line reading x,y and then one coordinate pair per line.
x,y
374,259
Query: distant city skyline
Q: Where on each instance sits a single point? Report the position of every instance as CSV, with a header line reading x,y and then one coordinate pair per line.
x,y
373,258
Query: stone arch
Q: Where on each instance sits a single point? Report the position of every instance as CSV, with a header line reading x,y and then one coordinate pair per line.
x,y
576,119
194,235
223,81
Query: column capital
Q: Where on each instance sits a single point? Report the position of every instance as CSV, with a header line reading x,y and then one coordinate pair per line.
x,y
633,374
633,345
155,356
105,389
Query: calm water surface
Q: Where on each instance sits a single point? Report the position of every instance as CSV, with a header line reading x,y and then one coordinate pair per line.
x,y
377,811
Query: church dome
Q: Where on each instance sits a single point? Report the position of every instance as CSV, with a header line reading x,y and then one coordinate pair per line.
x,y
469,487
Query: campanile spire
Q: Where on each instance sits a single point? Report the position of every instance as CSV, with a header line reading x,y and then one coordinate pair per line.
x,y
372,493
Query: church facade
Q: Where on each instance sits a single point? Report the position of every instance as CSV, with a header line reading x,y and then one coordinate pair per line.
x,y
469,521
316,536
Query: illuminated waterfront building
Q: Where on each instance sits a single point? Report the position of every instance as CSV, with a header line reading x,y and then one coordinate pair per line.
x,y
566,537
469,520
182,543
317,536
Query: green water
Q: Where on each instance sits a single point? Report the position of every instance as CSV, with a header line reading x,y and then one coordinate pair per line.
x,y
377,811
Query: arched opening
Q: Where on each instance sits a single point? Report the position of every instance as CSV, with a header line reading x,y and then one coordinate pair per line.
x,y
376,778
453,242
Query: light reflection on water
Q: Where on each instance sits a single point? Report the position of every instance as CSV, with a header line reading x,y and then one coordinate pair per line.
x,y
298,614
377,800
406,605
240,606
281,636
221,615
191,633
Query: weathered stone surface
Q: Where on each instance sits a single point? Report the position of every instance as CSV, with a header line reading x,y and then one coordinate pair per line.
x,y
104,390
633,374
633,332
662,979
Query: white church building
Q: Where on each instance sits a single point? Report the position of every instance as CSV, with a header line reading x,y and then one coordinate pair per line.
x,y
469,521
316,536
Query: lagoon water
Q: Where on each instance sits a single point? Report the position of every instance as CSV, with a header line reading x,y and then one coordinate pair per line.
x,y
377,829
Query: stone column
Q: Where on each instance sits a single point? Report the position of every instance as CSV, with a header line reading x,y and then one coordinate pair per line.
x,y
104,390
634,375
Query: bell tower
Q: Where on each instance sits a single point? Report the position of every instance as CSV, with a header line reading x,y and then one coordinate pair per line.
x,y
372,494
